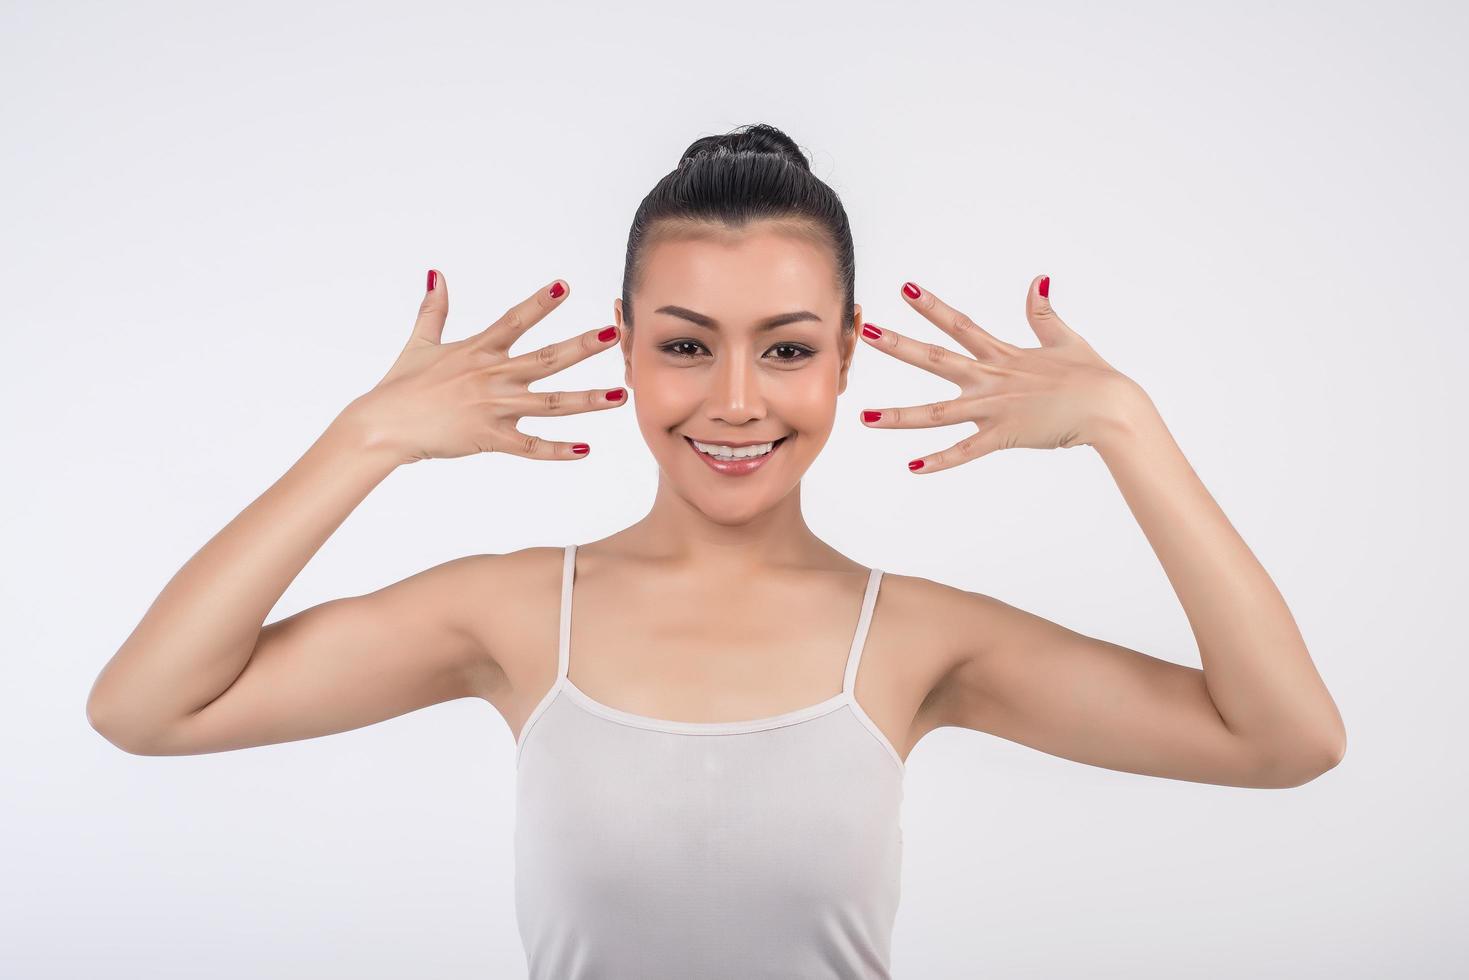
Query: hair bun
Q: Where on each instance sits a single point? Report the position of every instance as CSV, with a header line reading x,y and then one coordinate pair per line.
x,y
754,138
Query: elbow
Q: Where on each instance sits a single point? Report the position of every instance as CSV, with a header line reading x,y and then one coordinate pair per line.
x,y
1334,749
1302,775
1300,769
97,720
123,737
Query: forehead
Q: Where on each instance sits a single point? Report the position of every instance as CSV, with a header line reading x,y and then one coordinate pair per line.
x,y
746,273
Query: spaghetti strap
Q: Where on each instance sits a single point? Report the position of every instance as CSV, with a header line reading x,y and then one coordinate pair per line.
x,y
563,652
859,640
563,648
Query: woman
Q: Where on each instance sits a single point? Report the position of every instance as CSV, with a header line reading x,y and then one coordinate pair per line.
x,y
706,789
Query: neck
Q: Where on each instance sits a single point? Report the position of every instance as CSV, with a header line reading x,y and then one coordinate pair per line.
x,y
679,533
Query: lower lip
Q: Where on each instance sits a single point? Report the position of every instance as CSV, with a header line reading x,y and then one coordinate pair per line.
x,y
736,467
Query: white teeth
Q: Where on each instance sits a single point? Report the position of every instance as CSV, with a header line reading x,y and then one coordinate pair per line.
x,y
727,452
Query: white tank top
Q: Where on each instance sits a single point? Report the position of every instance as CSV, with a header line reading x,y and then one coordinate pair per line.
x,y
652,849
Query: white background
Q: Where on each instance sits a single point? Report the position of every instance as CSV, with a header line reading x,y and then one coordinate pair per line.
x,y
217,220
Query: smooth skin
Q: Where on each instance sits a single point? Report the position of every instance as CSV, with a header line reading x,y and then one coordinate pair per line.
x,y
199,672
720,603
1257,714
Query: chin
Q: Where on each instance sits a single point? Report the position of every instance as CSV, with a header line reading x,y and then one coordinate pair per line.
x,y
730,518
729,501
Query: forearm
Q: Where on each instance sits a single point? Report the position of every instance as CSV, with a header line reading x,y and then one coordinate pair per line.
x,y
1257,668
200,632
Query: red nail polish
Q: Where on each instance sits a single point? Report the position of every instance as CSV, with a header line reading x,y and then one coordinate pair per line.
x,y
917,464
557,289
871,416
607,334
913,291
580,448
616,394
871,330
433,278
1045,287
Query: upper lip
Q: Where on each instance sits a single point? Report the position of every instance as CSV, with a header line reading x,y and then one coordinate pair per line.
x,y
735,445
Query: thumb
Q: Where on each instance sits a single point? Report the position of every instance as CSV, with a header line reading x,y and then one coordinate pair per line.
x,y
433,310
1044,322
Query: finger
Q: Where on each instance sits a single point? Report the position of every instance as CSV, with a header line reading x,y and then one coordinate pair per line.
x,y
950,412
1049,327
947,364
970,335
429,327
568,402
517,443
520,318
982,443
554,357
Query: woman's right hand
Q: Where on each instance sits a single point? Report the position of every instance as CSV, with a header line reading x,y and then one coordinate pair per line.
x,y
447,400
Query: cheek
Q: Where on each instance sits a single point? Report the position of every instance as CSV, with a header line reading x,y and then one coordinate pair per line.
x,y
669,393
656,381
806,402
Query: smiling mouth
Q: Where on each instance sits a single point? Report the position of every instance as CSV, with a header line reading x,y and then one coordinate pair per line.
x,y
773,443
738,466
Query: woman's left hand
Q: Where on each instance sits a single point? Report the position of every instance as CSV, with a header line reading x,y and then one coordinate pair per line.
x,y
1055,396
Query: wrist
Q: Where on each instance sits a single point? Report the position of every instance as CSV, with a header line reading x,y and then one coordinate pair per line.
x,y
1127,416
354,433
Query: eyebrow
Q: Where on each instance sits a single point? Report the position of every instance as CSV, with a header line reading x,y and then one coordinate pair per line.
x,y
769,323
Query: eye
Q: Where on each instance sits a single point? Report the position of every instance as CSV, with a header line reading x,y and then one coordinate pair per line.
x,y
676,348
673,347
801,352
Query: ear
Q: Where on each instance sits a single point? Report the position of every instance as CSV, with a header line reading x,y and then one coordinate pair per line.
x,y
849,346
625,342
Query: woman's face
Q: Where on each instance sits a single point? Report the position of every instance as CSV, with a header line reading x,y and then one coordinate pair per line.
x,y
737,340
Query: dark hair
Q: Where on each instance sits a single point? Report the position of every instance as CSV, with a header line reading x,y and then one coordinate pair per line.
x,y
752,173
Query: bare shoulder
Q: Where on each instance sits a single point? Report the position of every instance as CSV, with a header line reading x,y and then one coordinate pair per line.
x,y
939,615
961,655
509,601
928,630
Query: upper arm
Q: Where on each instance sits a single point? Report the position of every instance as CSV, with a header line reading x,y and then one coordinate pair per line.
x,y
346,663
1035,682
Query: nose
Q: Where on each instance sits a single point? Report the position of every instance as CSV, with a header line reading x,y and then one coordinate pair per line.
x,y
734,395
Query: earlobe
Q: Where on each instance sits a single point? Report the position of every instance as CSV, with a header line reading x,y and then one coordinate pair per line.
x,y
622,344
849,348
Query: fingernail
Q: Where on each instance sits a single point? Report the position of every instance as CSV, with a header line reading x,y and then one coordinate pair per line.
x,y
557,289
607,334
433,278
871,330
580,448
871,416
917,464
913,291
1045,287
616,394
